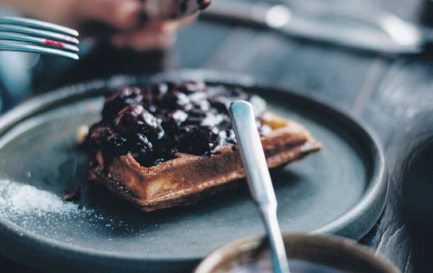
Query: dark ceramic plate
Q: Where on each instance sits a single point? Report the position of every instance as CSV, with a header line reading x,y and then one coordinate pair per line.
x,y
339,190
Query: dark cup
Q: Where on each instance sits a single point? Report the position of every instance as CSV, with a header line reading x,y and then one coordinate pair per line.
x,y
329,252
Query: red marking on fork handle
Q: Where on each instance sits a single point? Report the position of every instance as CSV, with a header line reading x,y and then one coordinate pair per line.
x,y
53,43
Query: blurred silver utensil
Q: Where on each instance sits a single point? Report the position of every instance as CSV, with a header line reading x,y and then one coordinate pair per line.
x,y
173,9
28,35
370,29
259,179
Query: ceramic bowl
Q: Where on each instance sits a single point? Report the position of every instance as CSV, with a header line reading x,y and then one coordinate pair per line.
x,y
335,252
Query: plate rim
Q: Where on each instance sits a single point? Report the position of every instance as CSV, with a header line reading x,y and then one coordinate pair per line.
x,y
374,195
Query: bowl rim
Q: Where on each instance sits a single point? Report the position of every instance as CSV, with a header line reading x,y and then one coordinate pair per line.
x,y
343,245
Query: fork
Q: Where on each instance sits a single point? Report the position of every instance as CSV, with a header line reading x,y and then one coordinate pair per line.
x,y
29,35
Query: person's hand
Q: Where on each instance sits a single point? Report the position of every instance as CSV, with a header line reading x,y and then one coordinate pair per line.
x,y
156,34
123,15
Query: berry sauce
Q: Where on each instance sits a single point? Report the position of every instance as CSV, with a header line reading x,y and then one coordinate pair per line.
x,y
156,121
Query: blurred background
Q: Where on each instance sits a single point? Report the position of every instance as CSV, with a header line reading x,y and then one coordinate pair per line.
x,y
389,91
207,44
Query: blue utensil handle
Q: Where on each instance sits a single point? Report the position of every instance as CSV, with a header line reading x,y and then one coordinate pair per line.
x,y
259,179
252,154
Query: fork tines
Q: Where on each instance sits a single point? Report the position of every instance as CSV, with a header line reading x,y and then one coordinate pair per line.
x,y
20,34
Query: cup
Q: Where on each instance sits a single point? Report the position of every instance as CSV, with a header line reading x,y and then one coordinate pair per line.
x,y
306,253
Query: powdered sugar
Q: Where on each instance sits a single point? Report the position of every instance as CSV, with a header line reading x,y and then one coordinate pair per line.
x,y
44,212
23,199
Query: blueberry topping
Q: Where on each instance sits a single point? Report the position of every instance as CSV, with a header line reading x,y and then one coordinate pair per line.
x,y
200,140
135,119
156,121
119,100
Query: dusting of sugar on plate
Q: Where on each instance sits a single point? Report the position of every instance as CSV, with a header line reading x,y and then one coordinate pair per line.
x,y
23,199
46,213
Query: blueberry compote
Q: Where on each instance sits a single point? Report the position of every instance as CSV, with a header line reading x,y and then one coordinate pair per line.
x,y
156,121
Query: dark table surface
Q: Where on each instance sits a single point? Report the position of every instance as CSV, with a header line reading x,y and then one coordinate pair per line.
x,y
386,92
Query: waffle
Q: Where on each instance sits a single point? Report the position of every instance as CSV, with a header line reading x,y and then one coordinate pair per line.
x,y
188,178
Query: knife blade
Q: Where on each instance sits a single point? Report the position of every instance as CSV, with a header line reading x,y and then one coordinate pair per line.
x,y
383,32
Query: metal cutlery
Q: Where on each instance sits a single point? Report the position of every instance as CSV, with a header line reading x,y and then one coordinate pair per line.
x,y
369,29
173,9
259,179
28,35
